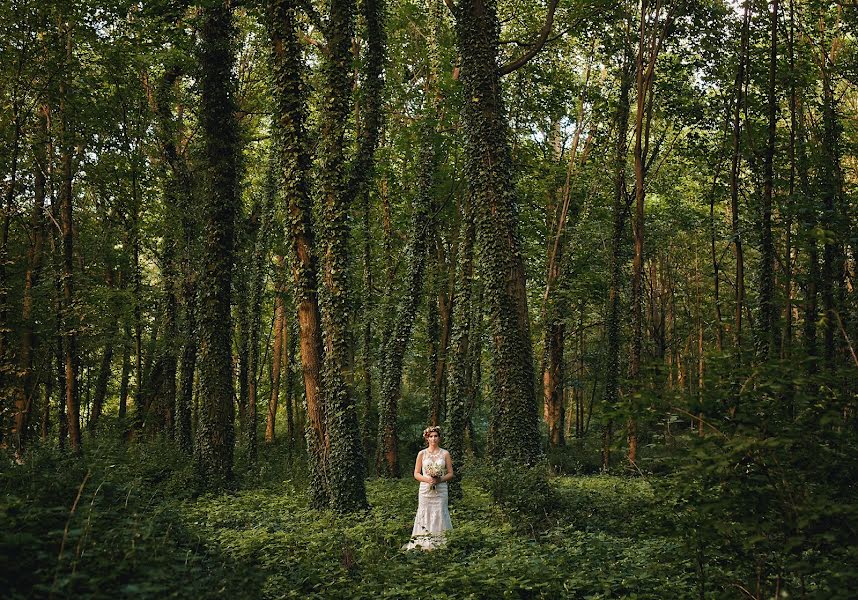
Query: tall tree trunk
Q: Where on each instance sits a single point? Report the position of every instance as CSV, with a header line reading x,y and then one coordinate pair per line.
x,y
346,463
716,269
460,348
653,30
137,277
72,399
362,174
288,68
27,384
793,103
613,326
7,209
734,180
809,222
488,168
768,313
177,192
290,398
552,350
433,333
215,435
258,260
832,254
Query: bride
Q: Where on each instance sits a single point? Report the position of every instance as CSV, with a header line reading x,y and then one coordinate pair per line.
x,y
433,470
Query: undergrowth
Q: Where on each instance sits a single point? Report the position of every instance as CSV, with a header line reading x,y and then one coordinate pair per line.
x,y
139,529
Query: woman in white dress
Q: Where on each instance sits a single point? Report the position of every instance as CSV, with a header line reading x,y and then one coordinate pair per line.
x,y
433,469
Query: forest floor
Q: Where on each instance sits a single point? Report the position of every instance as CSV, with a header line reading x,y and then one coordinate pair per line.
x,y
125,523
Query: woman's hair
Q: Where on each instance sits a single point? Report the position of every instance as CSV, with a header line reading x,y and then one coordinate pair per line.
x,y
431,429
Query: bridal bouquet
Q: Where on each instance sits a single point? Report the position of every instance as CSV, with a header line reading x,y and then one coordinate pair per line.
x,y
435,470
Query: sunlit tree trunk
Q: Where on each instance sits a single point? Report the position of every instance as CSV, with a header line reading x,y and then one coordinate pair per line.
x,y
277,350
289,91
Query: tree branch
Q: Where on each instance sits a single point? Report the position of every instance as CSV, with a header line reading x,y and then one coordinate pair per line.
x,y
537,45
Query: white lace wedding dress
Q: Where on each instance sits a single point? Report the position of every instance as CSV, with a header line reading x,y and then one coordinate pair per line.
x,y
433,515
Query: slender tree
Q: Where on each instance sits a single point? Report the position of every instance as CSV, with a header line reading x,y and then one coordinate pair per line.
x,y
387,460
613,325
739,101
768,312
289,92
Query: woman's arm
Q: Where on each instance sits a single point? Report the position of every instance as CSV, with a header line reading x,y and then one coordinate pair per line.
x,y
418,470
450,473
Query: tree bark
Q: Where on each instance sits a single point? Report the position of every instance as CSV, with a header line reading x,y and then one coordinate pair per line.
x,y
213,451
70,360
289,91
27,384
280,330
488,168
460,349
346,463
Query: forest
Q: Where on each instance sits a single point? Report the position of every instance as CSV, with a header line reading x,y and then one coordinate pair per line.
x,y
250,249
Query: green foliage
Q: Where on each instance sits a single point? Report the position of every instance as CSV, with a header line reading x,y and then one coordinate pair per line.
x,y
138,531
521,492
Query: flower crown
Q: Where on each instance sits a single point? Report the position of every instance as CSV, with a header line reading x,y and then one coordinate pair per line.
x,y
431,429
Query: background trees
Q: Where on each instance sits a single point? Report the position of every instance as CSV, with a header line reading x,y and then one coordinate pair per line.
x,y
429,211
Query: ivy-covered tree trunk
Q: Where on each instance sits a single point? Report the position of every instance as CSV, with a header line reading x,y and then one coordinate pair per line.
x,y
179,271
258,261
460,349
288,75
125,376
362,172
387,458
488,169
346,463
215,434
242,327
446,282
7,208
